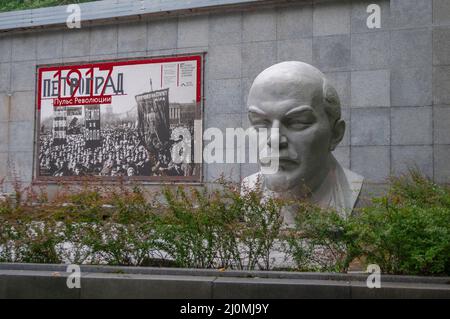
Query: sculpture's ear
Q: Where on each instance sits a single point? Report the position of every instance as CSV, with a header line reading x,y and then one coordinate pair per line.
x,y
338,132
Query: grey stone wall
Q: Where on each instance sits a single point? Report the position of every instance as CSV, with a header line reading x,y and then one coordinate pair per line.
x,y
394,82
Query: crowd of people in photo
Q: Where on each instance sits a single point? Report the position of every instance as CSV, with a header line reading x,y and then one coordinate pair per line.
x,y
120,153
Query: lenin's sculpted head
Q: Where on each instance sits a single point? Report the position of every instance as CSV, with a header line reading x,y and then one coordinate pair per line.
x,y
296,98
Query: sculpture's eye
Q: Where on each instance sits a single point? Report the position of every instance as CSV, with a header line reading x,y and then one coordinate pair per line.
x,y
299,123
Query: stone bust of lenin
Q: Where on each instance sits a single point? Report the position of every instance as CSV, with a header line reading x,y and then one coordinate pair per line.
x,y
297,99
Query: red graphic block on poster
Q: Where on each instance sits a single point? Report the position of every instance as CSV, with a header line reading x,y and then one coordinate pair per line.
x,y
96,80
73,101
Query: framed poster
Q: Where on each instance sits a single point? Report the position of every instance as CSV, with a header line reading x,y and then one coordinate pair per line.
x,y
119,119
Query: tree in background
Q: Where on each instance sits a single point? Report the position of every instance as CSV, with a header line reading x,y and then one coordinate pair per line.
x,y
11,5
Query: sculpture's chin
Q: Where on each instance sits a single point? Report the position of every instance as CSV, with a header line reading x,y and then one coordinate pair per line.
x,y
286,185
277,183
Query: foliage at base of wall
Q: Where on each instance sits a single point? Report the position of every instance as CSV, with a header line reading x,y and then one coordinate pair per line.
x,y
406,231
11,5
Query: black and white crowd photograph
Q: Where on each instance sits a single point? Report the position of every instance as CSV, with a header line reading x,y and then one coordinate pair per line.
x,y
133,136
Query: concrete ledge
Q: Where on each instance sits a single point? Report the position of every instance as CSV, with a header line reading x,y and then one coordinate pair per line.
x,y
49,281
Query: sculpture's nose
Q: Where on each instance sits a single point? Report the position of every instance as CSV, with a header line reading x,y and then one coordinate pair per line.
x,y
275,136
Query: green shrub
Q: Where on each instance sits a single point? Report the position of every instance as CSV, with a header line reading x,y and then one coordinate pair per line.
x,y
186,230
38,241
408,230
219,229
8,242
116,228
260,232
322,240
25,237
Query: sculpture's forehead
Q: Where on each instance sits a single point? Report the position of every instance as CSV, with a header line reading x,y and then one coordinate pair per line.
x,y
284,90
285,87
287,80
